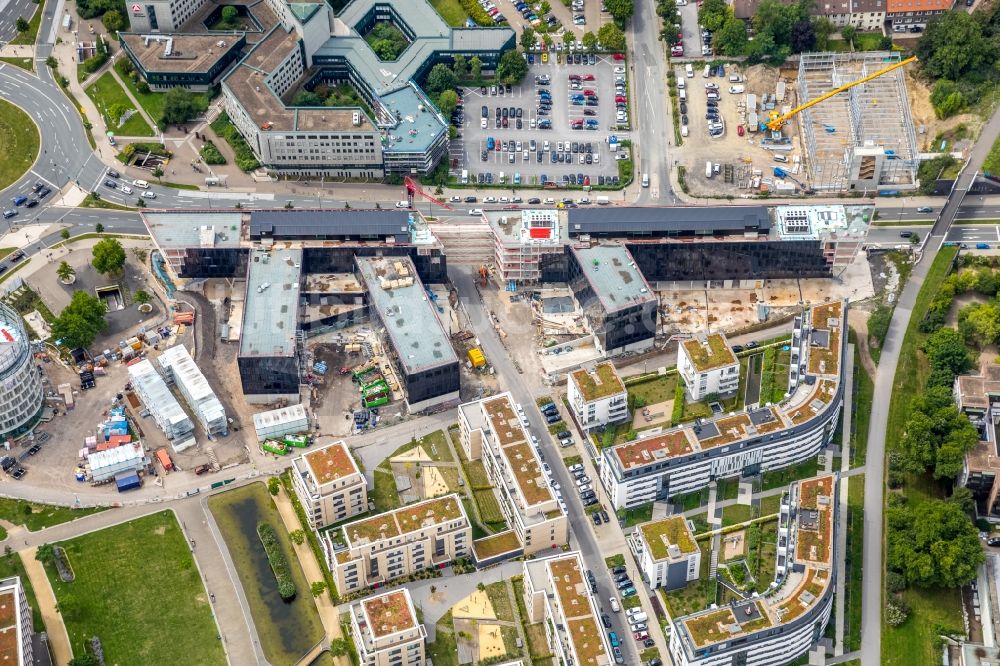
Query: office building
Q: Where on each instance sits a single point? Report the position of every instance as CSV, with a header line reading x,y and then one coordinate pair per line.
x,y
667,553
167,413
708,366
782,625
400,542
329,484
421,349
557,595
597,396
386,630
491,430
15,624
22,399
666,463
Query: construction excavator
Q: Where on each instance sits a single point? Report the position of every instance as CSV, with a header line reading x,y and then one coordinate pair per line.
x,y
777,120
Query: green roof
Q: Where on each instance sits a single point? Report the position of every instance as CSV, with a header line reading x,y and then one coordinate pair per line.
x,y
601,383
708,353
661,534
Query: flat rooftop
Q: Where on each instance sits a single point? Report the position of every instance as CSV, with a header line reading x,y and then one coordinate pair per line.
x,y
974,391
389,613
602,382
660,535
625,220
331,223
405,519
179,53
331,463
522,459
409,316
191,229
709,352
614,277
824,340
270,313
814,543
10,646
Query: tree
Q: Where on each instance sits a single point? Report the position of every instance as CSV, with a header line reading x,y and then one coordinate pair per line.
x,y
713,14
952,46
475,67
114,20
116,111
545,7
99,228
946,98
80,321
823,28
568,38
946,349
297,537
589,40
108,256
460,66
65,271
307,98
179,105
230,16
85,659
803,37
621,10
440,78
448,102
611,37
935,545
980,323
21,24
64,234
731,39
512,67
273,485
157,173
528,38
317,588
141,296
848,33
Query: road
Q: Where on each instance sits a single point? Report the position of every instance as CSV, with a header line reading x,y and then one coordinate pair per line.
x,y
871,612
463,280
648,76
10,11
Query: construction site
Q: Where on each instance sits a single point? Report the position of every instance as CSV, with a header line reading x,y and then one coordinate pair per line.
x,y
838,123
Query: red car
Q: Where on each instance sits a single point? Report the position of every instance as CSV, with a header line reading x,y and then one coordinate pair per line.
x,y
618,56
587,77
739,130
577,124
574,77
619,98
589,91
677,51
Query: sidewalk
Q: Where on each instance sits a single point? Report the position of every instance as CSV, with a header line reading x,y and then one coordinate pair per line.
x,y
59,645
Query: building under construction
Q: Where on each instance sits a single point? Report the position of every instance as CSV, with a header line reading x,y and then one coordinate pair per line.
x,y
861,140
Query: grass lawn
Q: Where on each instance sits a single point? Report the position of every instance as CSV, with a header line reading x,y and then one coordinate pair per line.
x,y
19,143
152,102
855,541
655,390
736,514
864,393
782,477
867,41
4,251
384,494
497,592
106,92
41,515
451,11
444,650
11,565
963,223
616,560
934,611
23,63
28,37
636,515
138,589
489,509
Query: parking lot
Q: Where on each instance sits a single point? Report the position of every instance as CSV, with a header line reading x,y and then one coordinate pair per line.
x,y
578,111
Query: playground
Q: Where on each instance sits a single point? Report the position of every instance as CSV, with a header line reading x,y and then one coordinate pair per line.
x,y
480,634
418,476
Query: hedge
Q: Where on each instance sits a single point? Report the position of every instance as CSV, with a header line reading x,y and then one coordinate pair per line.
x,y
477,13
245,159
211,155
277,560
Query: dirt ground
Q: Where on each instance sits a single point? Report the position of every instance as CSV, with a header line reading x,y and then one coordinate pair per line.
x,y
733,545
926,123
743,153
654,414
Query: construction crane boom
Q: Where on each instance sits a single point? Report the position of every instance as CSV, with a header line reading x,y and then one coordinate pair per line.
x,y
412,188
777,121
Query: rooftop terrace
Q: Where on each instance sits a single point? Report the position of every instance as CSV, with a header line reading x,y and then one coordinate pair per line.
x,y
659,535
331,463
814,541
709,352
404,520
726,623
824,341
613,276
600,383
399,298
270,313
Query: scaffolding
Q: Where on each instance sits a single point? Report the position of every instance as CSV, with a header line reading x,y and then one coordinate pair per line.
x,y
872,117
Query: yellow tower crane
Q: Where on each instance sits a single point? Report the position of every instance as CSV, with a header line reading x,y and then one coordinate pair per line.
x,y
778,120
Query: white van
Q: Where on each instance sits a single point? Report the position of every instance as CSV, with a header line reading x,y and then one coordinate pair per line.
x,y
141,184
684,130
682,95
736,90
689,71
735,78
780,158
645,180
681,84
708,169
705,72
602,201
465,176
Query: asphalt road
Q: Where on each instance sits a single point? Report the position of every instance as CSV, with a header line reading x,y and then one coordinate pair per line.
x,y
873,563
10,10
648,75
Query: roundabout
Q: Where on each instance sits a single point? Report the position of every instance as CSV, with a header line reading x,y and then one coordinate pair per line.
x,y
20,143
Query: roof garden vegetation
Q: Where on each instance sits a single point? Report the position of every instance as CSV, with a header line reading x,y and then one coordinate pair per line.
x,y
602,383
389,613
714,354
669,531
497,544
710,627
387,41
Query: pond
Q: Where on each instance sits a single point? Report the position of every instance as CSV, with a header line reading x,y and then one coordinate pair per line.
x,y
287,630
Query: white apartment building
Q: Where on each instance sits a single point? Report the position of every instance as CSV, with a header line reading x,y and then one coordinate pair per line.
x,y
15,624
399,542
597,396
556,594
386,630
665,463
708,365
491,430
783,625
329,485
667,552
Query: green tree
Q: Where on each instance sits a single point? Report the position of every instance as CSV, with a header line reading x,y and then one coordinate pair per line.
x,y
621,11
317,588
116,111
952,46
273,485
545,7
440,78
448,102
933,545
568,38
512,67
946,350
713,14
180,105
980,322
80,321
108,256
460,66
65,271
157,173
99,228
528,38
803,36
307,98
589,40
823,28
114,21
230,16
475,67
298,537
731,39
848,33
946,98
611,37
141,296
21,24
85,659
64,234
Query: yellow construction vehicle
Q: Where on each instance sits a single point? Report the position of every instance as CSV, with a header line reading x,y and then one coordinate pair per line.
x,y
777,120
